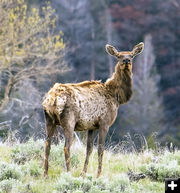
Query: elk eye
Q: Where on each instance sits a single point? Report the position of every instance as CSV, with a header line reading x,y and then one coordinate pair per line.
x,y
119,57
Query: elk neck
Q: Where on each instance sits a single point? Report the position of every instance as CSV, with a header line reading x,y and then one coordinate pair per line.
x,y
120,84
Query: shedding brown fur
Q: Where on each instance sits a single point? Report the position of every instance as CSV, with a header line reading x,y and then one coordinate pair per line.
x,y
89,105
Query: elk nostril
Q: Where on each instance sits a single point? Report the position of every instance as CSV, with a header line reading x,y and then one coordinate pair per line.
x,y
126,61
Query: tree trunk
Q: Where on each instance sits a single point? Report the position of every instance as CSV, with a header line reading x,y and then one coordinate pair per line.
x,y
109,37
92,73
8,89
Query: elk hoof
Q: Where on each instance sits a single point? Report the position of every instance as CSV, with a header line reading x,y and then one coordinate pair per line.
x,y
98,174
83,174
45,175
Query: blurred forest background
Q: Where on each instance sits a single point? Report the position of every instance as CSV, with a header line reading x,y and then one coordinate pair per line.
x,y
64,41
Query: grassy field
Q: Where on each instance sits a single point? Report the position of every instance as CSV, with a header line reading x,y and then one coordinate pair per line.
x,y
21,170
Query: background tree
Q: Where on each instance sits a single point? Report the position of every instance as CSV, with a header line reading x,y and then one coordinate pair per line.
x,y
30,52
133,19
88,26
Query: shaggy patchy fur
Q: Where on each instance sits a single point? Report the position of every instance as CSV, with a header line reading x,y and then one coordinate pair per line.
x,y
89,105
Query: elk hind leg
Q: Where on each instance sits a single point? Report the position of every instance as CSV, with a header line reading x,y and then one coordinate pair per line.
x,y
50,129
69,135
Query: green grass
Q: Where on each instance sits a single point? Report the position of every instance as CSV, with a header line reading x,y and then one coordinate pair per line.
x,y
21,170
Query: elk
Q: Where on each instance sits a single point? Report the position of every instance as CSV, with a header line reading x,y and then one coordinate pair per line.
x,y
88,106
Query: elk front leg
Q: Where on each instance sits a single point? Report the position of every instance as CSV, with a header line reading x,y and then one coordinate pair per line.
x,y
101,141
89,150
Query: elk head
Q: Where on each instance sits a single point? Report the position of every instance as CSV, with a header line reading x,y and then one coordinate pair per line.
x,y
125,58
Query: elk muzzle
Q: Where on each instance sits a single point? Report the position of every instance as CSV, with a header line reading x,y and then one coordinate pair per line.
x,y
126,61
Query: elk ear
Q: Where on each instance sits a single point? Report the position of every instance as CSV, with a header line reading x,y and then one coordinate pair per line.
x,y
111,50
138,49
